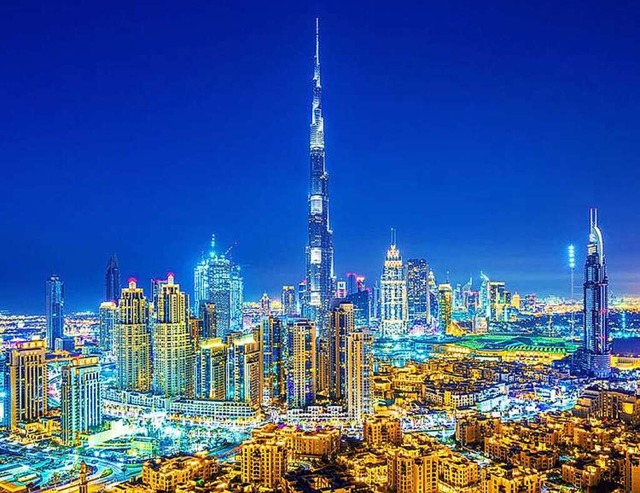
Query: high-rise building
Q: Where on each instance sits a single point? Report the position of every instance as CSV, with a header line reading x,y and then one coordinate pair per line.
x,y
200,285
341,324
211,370
172,345
393,293
112,280
132,340
359,375
274,337
107,318
362,306
301,364
54,310
418,291
81,408
445,307
25,383
596,304
244,368
320,280
265,305
209,319
236,297
288,300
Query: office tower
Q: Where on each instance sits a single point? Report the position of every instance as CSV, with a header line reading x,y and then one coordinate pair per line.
x,y
485,297
25,383
236,297
263,461
273,336
445,307
265,305
288,299
393,293
301,363
499,298
112,280
211,370
359,375
596,304
54,310
107,319
244,368
132,340
81,407
352,282
361,301
172,344
418,290
200,286
208,316
301,296
341,324
320,281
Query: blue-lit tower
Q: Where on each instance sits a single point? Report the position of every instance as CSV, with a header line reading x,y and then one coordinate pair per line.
x,y
596,294
54,310
320,281
112,280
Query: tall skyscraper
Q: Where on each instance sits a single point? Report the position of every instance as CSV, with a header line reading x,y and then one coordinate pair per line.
x,y
393,293
209,319
81,407
341,325
273,347
418,290
288,300
320,280
596,304
236,297
359,375
200,285
301,365
211,370
172,345
107,318
25,384
361,301
132,340
445,307
244,368
54,310
112,280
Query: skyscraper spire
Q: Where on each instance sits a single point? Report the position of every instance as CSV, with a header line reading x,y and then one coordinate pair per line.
x,y
320,281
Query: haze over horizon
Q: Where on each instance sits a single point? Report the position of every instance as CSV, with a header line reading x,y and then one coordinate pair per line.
x,y
483,136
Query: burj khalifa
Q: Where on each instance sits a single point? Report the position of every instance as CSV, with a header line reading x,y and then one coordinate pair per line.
x,y
320,280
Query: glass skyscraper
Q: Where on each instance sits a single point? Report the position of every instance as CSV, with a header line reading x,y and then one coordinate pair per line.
x,y
112,280
54,310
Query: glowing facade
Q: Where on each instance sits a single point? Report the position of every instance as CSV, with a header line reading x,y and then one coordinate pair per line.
x,y
172,344
211,370
112,280
445,307
359,375
132,341
341,325
81,407
320,280
418,291
107,318
301,364
244,368
596,303
393,294
54,310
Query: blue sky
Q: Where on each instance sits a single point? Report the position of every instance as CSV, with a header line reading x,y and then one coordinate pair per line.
x,y
482,134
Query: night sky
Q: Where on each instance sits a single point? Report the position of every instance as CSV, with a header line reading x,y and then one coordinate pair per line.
x,y
482,131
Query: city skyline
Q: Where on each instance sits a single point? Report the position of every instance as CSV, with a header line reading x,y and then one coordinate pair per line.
x,y
496,242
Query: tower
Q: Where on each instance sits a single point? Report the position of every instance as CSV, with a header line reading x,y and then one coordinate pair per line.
x,y
26,381
244,368
211,370
54,310
359,374
418,290
273,337
301,366
320,280
107,318
393,293
172,345
112,281
341,325
81,409
132,340
288,300
596,299
445,307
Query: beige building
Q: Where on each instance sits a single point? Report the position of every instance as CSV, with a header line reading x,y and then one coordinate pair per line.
x,y
263,461
166,474
511,479
382,430
457,474
413,470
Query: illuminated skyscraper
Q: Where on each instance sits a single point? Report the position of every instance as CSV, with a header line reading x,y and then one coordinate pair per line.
x,y
200,286
273,347
265,305
209,319
112,280
341,324
320,279
288,300
596,304
301,364
172,346
362,304
393,293
81,408
107,317
236,297
359,374
54,310
418,290
211,370
132,340
445,307
244,368
25,384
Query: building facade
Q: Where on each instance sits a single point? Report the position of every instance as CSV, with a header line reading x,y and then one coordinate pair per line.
x,y
54,310
394,314
80,402
112,280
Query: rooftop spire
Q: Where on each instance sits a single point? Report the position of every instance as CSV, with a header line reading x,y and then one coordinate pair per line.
x,y
317,41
